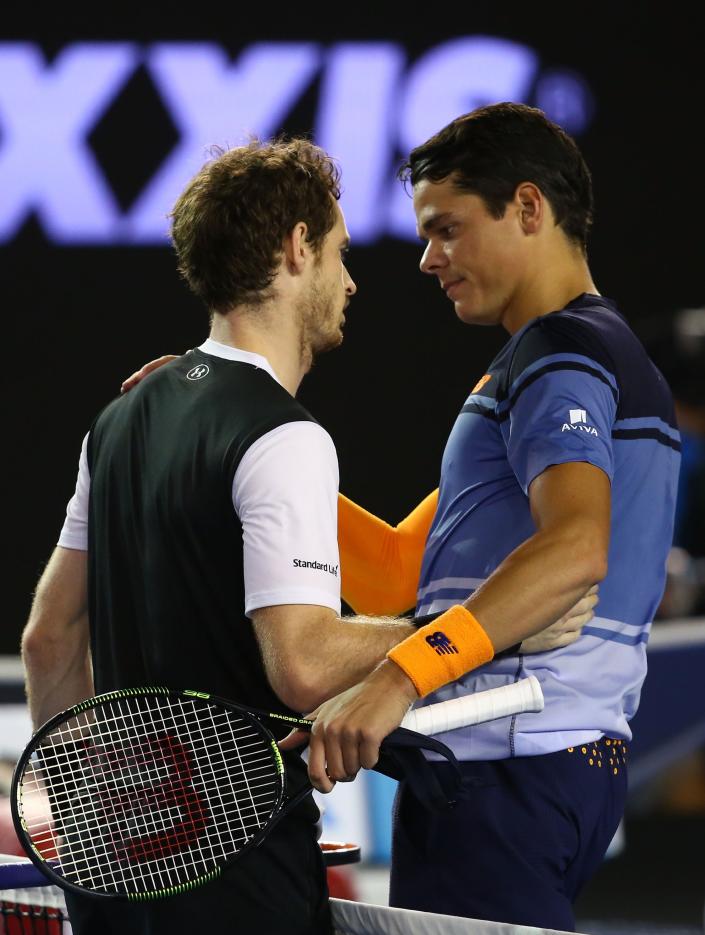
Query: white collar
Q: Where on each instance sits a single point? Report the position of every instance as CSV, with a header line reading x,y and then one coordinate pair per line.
x,y
227,351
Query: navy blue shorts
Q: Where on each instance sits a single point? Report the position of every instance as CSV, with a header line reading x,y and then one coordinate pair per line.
x,y
525,837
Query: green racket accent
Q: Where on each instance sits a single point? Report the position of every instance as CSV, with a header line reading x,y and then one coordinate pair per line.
x,y
278,757
175,890
116,695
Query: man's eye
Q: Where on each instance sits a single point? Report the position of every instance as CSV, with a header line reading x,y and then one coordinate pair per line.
x,y
448,231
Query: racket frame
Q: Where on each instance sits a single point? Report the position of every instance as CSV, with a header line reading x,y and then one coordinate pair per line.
x,y
252,715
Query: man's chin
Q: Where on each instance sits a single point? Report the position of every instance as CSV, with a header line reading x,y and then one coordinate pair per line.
x,y
472,315
335,340
327,343
336,335
464,312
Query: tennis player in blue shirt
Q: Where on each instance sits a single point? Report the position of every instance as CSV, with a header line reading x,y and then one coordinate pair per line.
x,y
560,472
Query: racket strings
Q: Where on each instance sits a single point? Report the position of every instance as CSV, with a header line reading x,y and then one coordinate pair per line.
x,y
149,792
128,763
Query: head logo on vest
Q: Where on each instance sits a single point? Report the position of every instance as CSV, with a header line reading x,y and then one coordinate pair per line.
x,y
199,372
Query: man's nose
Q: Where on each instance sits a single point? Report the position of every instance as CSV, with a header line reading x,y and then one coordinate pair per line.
x,y
432,259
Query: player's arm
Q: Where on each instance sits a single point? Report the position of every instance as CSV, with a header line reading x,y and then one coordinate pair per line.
x,y
311,654
541,579
285,494
55,641
380,568
538,582
380,564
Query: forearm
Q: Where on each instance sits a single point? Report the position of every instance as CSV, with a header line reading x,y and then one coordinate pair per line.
x,y
380,564
310,654
55,642
536,585
58,674
351,648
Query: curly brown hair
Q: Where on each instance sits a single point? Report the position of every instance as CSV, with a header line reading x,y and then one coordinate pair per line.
x,y
229,224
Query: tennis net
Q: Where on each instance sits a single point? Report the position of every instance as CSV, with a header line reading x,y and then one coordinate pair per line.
x,y
41,910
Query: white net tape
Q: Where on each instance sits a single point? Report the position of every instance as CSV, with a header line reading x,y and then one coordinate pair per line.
x,y
350,918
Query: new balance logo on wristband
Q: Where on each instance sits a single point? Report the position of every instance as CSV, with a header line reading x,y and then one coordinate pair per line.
x,y
441,643
461,646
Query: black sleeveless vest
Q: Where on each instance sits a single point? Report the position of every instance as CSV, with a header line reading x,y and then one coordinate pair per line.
x,y
166,586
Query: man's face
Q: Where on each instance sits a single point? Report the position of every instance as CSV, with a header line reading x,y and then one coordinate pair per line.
x,y
477,258
322,308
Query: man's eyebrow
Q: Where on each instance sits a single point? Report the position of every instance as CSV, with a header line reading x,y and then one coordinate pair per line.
x,y
431,223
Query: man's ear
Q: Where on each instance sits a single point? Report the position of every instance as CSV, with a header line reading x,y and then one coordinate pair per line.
x,y
531,207
296,248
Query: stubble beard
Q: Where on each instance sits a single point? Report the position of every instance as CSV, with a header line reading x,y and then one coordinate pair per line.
x,y
318,323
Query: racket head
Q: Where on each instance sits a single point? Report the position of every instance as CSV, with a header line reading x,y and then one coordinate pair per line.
x,y
144,793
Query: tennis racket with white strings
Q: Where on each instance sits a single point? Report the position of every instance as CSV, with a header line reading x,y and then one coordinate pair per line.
x,y
144,793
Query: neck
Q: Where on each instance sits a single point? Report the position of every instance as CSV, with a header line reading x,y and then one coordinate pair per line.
x,y
274,336
549,289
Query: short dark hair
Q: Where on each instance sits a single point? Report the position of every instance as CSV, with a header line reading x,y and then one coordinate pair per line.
x,y
229,224
493,149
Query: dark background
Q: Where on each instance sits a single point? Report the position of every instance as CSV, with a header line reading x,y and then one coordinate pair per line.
x,y
78,320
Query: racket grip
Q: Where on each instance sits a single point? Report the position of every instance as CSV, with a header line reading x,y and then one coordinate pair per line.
x,y
522,696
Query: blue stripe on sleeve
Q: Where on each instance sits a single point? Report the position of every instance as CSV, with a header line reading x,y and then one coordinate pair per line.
x,y
616,637
553,362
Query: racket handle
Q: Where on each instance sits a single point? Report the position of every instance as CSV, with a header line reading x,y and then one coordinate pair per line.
x,y
524,695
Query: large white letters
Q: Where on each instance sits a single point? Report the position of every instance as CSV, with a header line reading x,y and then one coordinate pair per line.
x,y
213,101
452,79
356,120
372,109
46,112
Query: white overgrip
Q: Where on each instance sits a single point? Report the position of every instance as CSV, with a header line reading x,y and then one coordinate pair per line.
x,y
522,696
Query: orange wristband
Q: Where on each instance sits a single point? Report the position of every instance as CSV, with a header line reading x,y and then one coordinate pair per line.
x,y
443,650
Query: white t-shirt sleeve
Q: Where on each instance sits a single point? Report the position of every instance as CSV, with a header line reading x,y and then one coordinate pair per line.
x,y
285,492
74,533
